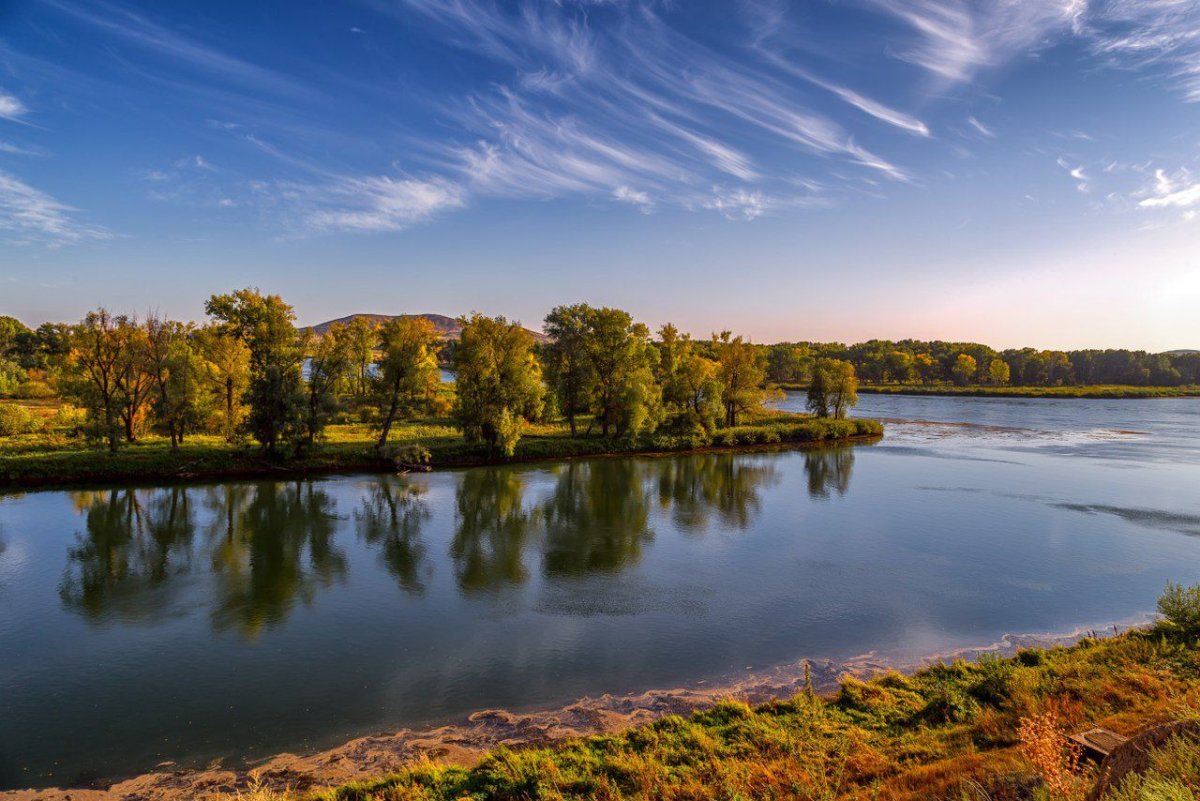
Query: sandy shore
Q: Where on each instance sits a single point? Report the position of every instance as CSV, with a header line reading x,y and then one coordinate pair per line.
x,y
465,741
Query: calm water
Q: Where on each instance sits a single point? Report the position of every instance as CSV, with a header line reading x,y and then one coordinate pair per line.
x,y
242,619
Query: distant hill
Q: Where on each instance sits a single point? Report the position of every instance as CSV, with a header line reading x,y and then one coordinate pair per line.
x,y
447,327
1184,352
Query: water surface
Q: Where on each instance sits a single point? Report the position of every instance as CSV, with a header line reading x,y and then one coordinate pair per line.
x,y
240,619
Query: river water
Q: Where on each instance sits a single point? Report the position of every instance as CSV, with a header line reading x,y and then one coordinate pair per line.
x,y
239,619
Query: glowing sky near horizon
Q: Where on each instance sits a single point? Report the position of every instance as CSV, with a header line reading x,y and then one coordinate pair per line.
x,y
1016,172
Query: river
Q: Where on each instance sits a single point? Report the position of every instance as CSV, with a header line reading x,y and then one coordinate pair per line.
x,y
234,620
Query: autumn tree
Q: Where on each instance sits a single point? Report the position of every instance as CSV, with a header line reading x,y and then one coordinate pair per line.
x,y
499,382
225,359
95,361
964,369
275,393
134,380
998,373
408,369
569,371
361,336
843,387
177,371
742,372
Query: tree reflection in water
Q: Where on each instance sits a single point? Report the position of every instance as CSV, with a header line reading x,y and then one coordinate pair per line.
x,y
598,516
268,546
828,470
391,516
492,527
281,551
134,542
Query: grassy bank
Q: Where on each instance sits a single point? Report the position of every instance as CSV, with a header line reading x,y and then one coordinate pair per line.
x,y
949,731
1096,391
51,457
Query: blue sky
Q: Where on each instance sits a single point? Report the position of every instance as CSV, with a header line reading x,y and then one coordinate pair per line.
x,y
1010,171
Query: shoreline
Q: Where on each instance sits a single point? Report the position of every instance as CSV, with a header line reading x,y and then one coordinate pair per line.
x,y
331,463
1083,392
466,740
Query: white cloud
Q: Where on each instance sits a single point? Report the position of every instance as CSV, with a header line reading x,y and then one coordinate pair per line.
x,y
10,107
981,128
379,203
29,215
1180,191
738,204
1078,173
623,194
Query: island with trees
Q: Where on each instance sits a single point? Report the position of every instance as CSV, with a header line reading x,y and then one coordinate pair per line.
x,y
114,397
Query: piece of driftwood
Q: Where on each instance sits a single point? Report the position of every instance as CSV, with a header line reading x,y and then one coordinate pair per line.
x,y
1098,743
1133,755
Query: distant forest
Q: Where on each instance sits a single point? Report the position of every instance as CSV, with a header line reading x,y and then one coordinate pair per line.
x,y
912,361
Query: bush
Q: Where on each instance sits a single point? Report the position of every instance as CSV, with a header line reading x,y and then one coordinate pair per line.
x,y
16,420
1180,605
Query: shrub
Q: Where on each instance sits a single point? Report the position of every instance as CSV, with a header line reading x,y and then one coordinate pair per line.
x,y
16,420
1180,605
1055,757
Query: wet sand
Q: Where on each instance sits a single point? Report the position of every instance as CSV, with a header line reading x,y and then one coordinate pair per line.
x,y
465,741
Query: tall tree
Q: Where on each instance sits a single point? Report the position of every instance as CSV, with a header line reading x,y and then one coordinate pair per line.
x,y
276,392
328,358
626,399
177,372
964,370
94,364
408,370
499,382
226,360
742,371
568,369
843,386
362,336
134,382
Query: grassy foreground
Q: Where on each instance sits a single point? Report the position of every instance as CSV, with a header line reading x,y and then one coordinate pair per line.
x,y
1095,391
51,457
949,731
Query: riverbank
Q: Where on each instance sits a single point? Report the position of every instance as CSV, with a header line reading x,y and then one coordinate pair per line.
x,y
868,726
31,462
1098,391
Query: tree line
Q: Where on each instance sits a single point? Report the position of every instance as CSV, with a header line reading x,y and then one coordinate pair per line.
x,y
248,371
913,361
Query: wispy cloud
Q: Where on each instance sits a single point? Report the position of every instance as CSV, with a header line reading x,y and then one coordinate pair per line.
x,y
379,203
10,107
1078,173
28,216
1162,35
981,128
1180,191
145,33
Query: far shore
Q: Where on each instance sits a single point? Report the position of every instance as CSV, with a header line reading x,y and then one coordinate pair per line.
x,y
1104,391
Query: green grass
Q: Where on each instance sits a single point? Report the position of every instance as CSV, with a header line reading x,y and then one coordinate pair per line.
x,y
50,457
949,731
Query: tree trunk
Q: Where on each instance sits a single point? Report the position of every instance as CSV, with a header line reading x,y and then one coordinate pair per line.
x,y
393,407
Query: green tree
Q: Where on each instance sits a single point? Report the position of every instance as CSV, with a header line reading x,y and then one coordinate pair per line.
x,y
408,370
818,390
328,360
135,383
568,369
275,395
499,382
626,399
964,370
998,373
362,336
843,387
691,389
226,361
742,372
177,372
